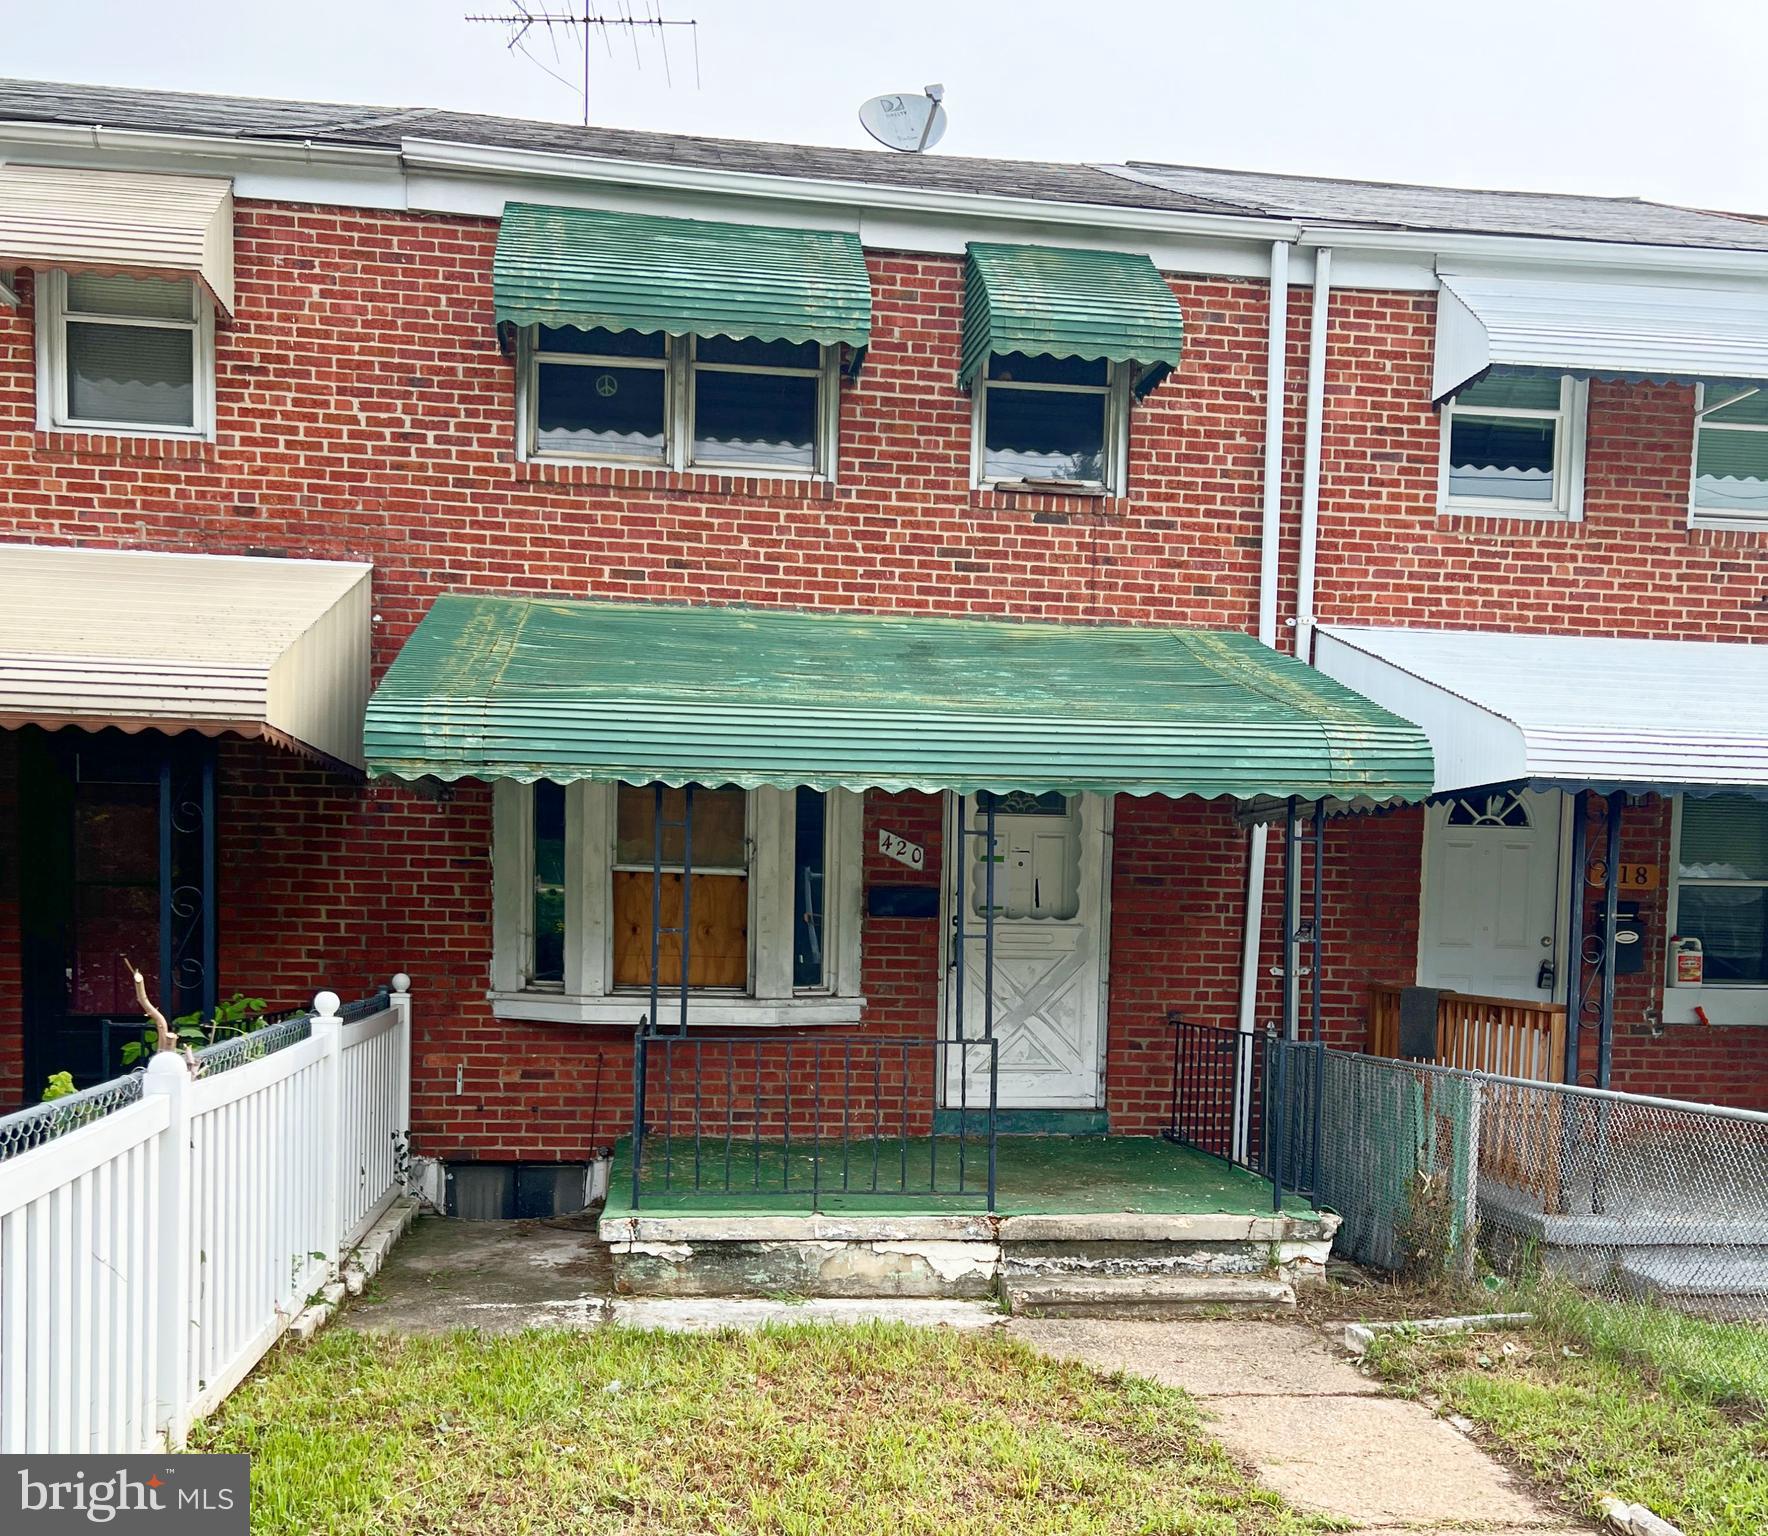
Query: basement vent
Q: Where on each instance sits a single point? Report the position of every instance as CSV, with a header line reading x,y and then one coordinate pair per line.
x,y
516,1191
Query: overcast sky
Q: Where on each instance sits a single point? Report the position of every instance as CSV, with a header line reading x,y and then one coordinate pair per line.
x,y
1645,97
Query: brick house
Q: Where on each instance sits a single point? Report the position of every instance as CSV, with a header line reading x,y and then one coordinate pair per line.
x,y
863,503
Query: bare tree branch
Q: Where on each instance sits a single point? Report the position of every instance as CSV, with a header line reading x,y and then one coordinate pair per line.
x,y
167,1041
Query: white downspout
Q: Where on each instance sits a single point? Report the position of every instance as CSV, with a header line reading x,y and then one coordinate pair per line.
x,y
1310,461
1276,355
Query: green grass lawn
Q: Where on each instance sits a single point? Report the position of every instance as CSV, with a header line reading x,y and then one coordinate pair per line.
x,y
858,1430
1598,1398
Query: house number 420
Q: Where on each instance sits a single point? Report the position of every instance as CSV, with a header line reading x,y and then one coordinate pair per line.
x,y
894,846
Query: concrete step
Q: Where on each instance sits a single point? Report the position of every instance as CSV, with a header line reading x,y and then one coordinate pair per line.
x,y
1146,1296
1686,1270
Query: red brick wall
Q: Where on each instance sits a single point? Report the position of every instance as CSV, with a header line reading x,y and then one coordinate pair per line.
x,y
365,412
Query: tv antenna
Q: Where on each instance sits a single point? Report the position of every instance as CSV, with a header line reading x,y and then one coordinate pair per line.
x,y
912,124
530,23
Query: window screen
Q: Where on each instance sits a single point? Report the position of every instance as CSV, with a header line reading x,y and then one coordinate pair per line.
x,y
1722,885
1731,453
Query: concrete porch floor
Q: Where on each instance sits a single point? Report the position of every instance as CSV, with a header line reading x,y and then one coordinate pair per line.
x,y
1035,1176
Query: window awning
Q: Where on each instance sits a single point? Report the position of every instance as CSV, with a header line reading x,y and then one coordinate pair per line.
x,y
590,268
117,221
211,643
1593,328
530,688
1050,301
1567,711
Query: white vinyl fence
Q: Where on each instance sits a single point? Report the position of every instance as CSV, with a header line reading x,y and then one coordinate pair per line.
x,y
161,1231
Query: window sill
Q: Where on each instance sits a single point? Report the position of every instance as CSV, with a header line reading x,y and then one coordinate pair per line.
x,y
1467,514
1039,496
94,442
1725,1007
713,1012
1748,528
704,482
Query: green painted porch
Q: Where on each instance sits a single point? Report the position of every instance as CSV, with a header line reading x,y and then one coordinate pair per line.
x,y
914,1176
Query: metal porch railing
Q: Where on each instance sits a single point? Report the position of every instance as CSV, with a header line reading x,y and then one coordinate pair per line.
x,y
1250,1098
808,1117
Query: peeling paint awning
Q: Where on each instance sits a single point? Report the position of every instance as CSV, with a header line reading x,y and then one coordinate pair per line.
x,y
1568,711
591,269
1049,301
1591,328
531,688
119,221
212,643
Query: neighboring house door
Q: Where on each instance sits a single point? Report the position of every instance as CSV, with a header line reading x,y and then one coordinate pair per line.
x,y
1491,895
1048,953
99,814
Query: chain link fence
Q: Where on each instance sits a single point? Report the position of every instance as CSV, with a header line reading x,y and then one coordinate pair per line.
x,y
1647,1217
44,1122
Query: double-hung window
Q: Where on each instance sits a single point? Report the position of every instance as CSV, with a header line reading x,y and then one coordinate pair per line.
x,y
770,885
1513,444
1061,421
1721,887
125,354
692,402
1730,457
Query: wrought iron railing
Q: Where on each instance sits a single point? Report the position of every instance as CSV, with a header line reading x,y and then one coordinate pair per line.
x,y
810,1117
1250,1098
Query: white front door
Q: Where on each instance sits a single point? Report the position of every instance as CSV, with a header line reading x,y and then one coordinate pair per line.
x,y
1491,895
1048,953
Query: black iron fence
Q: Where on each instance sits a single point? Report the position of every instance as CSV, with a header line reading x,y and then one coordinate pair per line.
x,y
812,1117
1250,1098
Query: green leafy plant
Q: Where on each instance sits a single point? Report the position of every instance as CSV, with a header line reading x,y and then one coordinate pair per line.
x,y
61,1084
237,1015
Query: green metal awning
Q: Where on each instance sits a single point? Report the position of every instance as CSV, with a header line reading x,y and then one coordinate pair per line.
x,y
529,688
1053,302
589,268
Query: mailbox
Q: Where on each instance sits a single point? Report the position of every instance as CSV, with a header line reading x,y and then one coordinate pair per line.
x,y
1629,937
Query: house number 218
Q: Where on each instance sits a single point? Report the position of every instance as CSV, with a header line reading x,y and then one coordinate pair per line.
x,y
894,846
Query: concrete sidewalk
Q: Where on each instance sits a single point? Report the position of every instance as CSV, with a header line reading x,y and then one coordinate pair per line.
x,y
1287,1401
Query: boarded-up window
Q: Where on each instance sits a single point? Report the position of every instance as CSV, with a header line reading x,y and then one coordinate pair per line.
x,y
718,887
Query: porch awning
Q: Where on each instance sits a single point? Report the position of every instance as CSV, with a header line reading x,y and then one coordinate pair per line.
x,y
590,268
1049,301
119,221
212,643
1688,332
1568,711
530,688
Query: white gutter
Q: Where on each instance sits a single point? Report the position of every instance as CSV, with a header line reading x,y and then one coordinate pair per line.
x,y
431,155
1271,529
1271,523
1529,250
96,136
1310,461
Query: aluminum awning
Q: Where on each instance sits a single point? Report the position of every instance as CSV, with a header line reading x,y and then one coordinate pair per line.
x,y
530,688
119,221
1049,301
590,268
212,643
1567,711
1588,327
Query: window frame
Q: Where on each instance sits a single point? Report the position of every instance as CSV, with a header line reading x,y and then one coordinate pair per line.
x,y
1718,517
1724,1003
53,413
588,994
1115,389
679,364
1570,423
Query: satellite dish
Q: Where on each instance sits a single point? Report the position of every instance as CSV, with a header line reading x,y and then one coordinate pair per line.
x,y
909,123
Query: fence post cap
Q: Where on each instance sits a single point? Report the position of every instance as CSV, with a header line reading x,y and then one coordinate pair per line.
x,y
167,1064
401,982
326,1005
